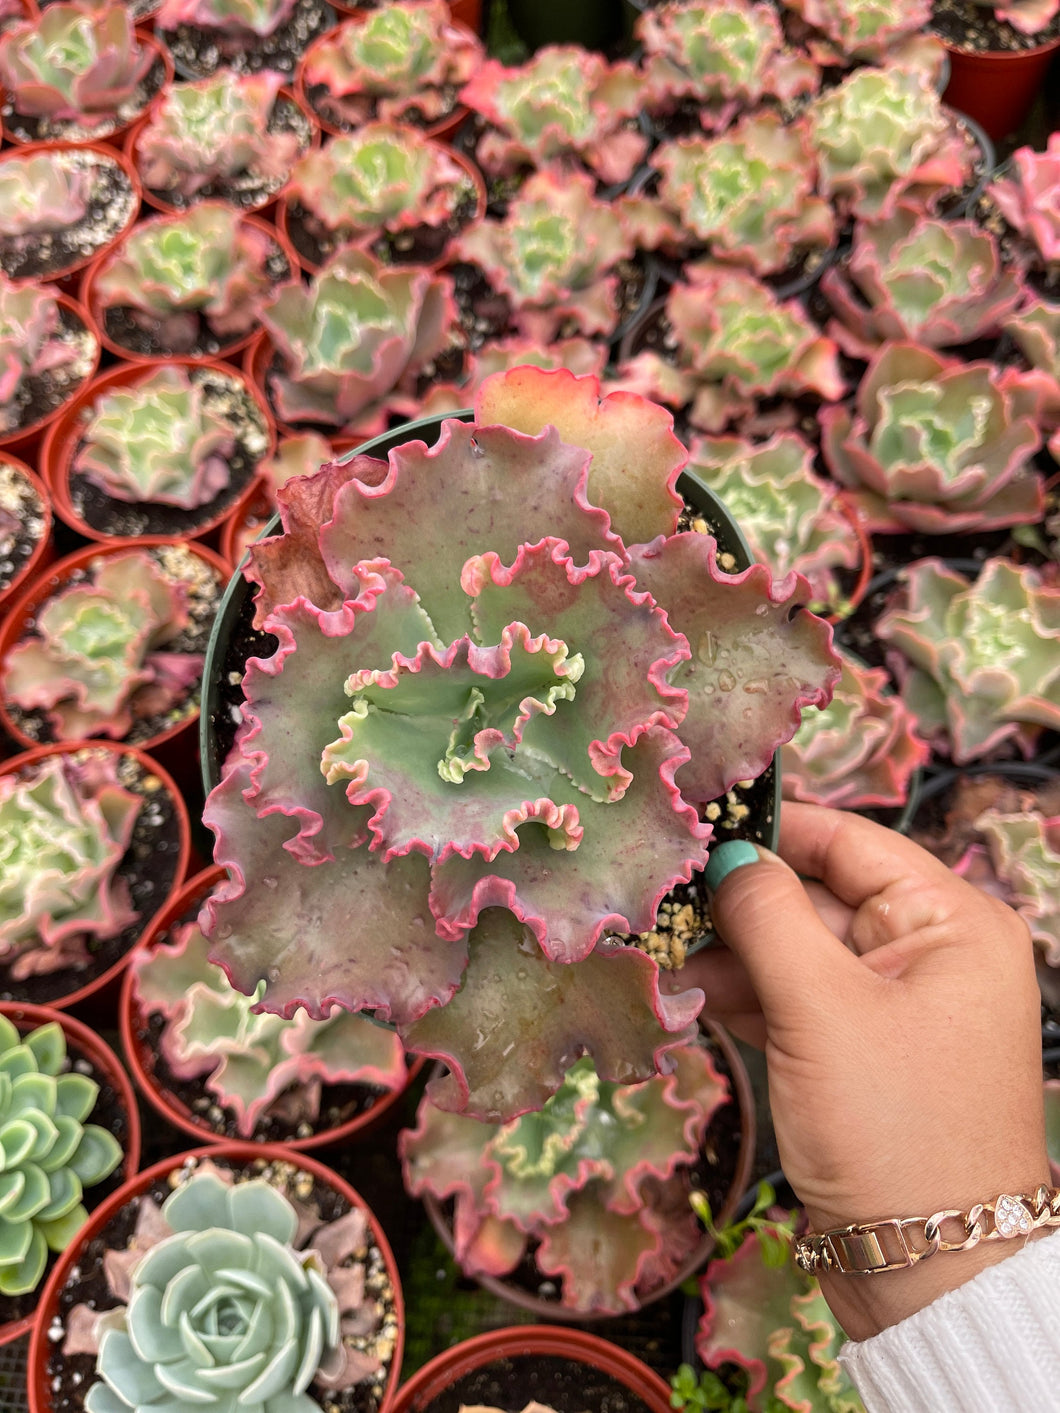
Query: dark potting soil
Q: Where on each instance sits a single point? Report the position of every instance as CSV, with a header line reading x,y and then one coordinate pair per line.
x,y
483,313
224,393
22,522
352,112
40,394
110,203
149,868
1015,248
974,27
138,331
204,586
944,821
516,1380
1050,1041
413,245
108,1113
198,52
43,129
249,189
70,1376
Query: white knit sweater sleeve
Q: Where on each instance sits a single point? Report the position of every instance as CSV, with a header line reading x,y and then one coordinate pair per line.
x,y
990,1346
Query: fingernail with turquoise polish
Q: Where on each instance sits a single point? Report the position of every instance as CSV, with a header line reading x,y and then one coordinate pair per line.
x,y
733,854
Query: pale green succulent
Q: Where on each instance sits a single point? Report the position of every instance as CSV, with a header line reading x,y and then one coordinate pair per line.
x,y
224,1315
48,1154
1025,853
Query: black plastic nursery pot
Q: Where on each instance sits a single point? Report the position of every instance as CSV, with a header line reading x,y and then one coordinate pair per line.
x,y
595,24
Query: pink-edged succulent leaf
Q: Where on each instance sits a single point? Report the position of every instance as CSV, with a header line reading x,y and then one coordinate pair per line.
x,y
581,357
1028,16
1025,852
599,1256
636,459
1027,199
520,1020
754,663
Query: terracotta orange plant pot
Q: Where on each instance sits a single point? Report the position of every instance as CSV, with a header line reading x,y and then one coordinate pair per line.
x,y
997,89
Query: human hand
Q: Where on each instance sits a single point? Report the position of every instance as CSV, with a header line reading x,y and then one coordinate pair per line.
x,y
899,1013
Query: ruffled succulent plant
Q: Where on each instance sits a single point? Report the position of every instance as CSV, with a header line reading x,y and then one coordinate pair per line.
x,y
39,196
254,1064
202,273
725,59
241,19
746,195
492,831
554,255
594,1187
773,1323
49,1154
579,356
564,103
860,751
223,1307
1024,853
881,134
382,179
403,62
1036,330
65,824
74,64
99,657
358,332
936,283
978,659
216,130
1027,198
937,445
159,441
861,30
295,456
790,517
31,344
735,345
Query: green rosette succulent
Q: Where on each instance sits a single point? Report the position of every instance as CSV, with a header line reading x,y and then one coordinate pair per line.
x,y
39,195
979,663
48,1153
32,344
1024,852
1027,199
865,30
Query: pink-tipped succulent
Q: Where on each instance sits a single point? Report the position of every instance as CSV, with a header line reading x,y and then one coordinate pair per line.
x,y
202,273
217,129
1024,859
724,59
1027,198
354,339
295,456
554,255
100,655
1028,16
882,134
31,344
161,441
1036,329
593,1188
39,196
936,283
254,1064
736,344
847,31
234,19
401,63
65,824
937,445
482,838
747,195
790,517
860,751
74,64
578,356
978,660
564,104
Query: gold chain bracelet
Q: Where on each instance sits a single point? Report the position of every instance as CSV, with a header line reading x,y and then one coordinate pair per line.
x,y
866,1248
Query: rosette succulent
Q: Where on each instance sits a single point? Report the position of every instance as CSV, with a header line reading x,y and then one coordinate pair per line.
x,y
253,1064
48,1153
32,343
746,195
564,103
865,30
1028,16
401,63
736,344
937,445
936,283
39,195
858,752
1024,851
237,19
554,255
223,1308
198,275
725,59
217,131
978,659
1027,198
882,134
1036,329
74,64
99,657
354,337
160,440
65,824
460,772
580,356
593,1187
790,517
